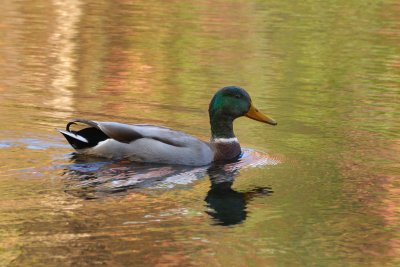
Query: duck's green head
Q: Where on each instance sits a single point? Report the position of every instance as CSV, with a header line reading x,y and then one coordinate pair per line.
x,y
230,103
233,102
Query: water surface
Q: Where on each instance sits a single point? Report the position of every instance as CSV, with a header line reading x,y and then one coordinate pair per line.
x,y
320,189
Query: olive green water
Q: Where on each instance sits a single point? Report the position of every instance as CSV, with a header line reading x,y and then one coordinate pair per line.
x,y
320,189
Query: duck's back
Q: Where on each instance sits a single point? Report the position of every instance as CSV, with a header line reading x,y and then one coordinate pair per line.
x,y
138,142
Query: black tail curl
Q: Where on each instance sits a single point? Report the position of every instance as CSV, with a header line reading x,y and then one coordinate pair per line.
x,y
77,139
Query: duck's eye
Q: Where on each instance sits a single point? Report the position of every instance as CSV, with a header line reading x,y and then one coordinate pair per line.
x,y
237,96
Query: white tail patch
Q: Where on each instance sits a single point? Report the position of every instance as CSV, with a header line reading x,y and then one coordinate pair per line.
x,y
78,137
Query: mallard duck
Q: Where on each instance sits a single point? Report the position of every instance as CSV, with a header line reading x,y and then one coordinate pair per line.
x,y
156,144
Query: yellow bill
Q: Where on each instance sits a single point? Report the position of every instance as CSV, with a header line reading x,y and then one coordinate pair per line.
x,y
254,114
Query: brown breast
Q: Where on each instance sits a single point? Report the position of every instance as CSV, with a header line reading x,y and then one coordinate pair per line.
x,y
226,150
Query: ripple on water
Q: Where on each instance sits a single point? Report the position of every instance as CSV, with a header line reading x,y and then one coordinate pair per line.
x,y
89,177
32,143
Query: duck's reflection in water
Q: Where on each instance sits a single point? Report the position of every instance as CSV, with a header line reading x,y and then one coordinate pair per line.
x,y
228,206
90,178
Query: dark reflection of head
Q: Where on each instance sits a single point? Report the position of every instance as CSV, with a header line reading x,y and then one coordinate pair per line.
x,y
228,207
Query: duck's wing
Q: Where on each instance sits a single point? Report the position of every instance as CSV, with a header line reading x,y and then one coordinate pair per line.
x,y
138,142
126,133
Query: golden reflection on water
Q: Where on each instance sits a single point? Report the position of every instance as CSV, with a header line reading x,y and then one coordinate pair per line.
x,y
327,71
63,44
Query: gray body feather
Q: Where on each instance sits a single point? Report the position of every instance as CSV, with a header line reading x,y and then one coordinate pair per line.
x,y
148,143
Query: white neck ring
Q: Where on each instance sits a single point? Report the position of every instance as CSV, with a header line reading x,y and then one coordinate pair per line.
x,y
226,140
